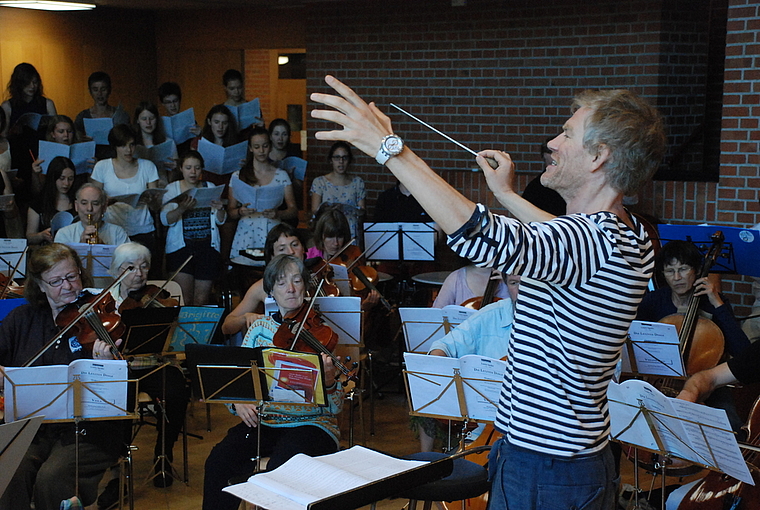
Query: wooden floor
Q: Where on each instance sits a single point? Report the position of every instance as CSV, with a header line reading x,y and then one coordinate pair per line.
x,y
392,435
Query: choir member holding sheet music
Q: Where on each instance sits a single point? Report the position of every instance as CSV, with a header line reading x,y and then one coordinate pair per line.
x,y
11,214
91,204
285,429
279,132
283,239
255,195
126,174
26,100
99,87
193,230
57,196
47,475
61,139
149,133
170,95
340,187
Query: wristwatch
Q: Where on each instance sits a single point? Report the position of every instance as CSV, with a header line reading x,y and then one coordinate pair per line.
x,y
392,145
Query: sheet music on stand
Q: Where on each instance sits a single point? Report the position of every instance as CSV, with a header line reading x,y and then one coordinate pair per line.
x,y
400,241
230,375
195,325
423,326
652,348
465,388
642,416
10,255
96,258
343,314
741,247
84,389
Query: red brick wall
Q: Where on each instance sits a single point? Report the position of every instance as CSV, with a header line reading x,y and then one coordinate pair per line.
x,y
257,80
501,74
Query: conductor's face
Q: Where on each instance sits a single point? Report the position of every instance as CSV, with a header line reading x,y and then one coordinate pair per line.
x,y
289,290
570,161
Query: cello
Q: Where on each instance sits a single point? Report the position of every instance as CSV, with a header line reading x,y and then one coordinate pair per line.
x,y
718,491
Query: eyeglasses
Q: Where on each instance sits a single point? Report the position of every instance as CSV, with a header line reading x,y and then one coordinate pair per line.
x,y
340,158
57,282
682,271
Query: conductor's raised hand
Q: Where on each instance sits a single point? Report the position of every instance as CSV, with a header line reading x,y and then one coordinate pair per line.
x,y
501,180
364,125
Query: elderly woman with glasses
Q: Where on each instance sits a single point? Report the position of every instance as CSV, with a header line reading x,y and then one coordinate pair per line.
x,y
340,187
46,475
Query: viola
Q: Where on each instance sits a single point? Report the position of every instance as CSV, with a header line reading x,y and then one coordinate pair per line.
x,y
100,321
150,296
305,331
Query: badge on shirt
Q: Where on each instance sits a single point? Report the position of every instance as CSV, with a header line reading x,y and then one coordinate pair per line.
x,y
74,344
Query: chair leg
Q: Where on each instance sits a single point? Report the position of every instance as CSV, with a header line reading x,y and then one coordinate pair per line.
x,y
185,461
126,480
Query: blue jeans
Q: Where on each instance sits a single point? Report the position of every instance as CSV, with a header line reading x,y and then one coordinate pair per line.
x,y
526,480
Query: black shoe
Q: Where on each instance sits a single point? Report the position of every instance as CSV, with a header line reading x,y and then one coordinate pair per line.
x,y
110,495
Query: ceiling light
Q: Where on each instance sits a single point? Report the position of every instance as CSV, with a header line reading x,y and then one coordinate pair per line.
x,y
47,5
282,60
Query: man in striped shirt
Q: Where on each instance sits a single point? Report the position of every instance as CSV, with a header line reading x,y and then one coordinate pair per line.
x,y
583,276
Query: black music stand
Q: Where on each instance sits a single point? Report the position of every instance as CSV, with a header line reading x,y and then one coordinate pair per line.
x,y
741,247
148,330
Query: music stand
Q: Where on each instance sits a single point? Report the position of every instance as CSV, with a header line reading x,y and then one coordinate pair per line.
x,y
11,251
194,325
148,330
15,439
645,418
258,376
652,348
741,247
461,389
400,241
84,390
422,327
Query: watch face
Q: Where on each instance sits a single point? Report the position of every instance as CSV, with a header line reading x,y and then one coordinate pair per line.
x,y
394,145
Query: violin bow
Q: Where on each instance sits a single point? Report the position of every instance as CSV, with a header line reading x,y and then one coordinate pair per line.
x,y
155,295
13,273
85,309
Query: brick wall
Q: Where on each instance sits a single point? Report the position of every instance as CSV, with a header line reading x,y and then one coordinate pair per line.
x,y
501,74
257,79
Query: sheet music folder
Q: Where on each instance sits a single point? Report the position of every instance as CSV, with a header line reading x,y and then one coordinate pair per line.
x,y
386,487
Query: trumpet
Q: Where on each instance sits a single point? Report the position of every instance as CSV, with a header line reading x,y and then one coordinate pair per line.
x,y
93,237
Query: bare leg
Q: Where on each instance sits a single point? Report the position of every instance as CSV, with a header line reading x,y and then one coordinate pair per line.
x,y
202,292
187,284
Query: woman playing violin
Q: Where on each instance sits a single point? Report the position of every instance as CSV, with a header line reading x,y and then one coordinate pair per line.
x,y
283,239
54,279
175,399
285,429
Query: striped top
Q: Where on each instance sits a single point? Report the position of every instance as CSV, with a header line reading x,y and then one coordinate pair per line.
x,y
583,276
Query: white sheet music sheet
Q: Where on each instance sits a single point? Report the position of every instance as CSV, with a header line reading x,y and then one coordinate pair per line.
x,y
656,349
222,160
681,439
433,391
158,154
98,129
422,327
79,153
296,167
303,479
204,196
95,257
177,127
343,315
10,253
341,280
260,198
104,396
456,314
246,114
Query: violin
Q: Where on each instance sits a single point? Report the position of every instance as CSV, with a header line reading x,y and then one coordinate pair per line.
x,y
150,296
305,331
362,278
321,271
99,321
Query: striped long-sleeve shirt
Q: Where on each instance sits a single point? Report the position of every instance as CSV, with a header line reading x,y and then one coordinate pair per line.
x,y
583,276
